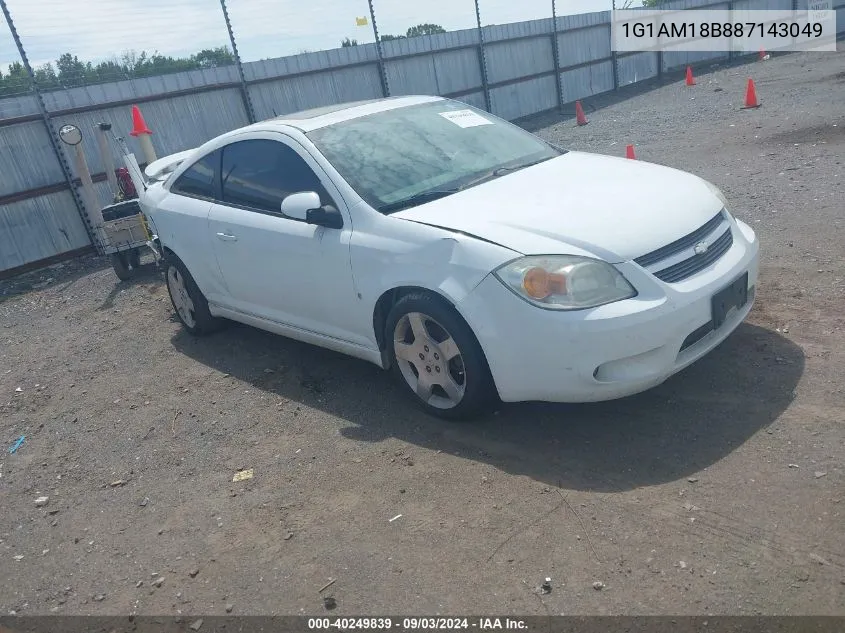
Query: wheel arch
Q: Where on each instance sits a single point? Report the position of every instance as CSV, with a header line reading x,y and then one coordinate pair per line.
x,y
166,251
391,297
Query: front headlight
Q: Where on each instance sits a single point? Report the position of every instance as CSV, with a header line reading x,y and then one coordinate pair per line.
x,y
565,282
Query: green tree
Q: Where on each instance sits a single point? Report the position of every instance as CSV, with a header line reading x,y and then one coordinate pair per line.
x,y
16,81
346,42
425,29
110,70
653,3
388,38
214,57
71,71
131,61
45,77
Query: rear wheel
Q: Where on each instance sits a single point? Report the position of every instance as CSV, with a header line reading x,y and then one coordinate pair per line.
x,y
190,304
438,359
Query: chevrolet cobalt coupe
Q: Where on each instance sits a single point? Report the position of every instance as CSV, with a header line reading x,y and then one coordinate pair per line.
x,y
473,259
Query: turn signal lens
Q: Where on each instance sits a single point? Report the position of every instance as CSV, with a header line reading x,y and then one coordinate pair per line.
x,y
538,283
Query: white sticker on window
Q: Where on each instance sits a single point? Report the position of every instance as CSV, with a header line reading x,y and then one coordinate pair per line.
x,y
465,118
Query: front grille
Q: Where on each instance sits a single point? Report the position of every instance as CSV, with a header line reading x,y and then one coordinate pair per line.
x,y
688,241
685,246
689,267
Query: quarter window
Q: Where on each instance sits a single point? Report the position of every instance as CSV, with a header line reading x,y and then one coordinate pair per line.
x,y
198,181
259,174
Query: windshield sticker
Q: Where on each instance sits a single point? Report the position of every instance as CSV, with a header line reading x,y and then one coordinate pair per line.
x,y
465,118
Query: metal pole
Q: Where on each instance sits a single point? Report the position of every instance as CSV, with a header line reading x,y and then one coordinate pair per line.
x,y
89,194
659,52
614,56
556,55
51,133
731,44
250,111
482,59
108,159
382,71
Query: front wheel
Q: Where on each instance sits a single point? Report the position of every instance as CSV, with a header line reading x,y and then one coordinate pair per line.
x,y
438,359
190,304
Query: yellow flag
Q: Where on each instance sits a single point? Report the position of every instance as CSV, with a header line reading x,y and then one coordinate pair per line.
x,y
360,21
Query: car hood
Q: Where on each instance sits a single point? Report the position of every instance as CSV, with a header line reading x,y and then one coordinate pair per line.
x,y
578,203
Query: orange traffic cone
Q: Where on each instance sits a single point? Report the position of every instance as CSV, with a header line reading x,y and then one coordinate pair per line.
x,y
751,96
629,152
138,124
580,118
690,78
762,54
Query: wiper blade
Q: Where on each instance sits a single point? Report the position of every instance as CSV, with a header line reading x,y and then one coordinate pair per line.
x,y
501,171
419,198
436,194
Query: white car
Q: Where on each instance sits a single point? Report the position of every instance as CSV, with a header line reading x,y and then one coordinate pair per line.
x,y
469,256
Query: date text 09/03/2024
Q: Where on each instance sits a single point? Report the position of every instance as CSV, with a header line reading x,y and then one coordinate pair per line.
x,y
416,624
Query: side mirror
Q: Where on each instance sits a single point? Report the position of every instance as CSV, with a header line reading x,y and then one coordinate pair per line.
x,y
326,216
70,134
297,205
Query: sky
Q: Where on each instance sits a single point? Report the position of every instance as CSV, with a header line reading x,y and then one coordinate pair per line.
x,y
101,29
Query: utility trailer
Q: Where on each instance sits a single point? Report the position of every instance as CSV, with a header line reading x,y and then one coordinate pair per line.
x,y
120,228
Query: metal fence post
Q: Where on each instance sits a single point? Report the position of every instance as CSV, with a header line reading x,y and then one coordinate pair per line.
x,y
556,55
482,59
51,133
382,71
730,19
614,55
659,54
250,110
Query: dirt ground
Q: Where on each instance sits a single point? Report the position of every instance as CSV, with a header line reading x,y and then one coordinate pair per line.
x,y
719,492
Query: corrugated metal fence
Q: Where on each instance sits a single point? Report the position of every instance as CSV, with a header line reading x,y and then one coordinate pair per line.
x,y
38,216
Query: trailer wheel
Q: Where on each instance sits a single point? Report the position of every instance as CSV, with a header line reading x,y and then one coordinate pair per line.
x,y
120,263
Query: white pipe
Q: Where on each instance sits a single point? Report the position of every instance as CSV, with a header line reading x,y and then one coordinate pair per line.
x,y
108,160
135,173
146,144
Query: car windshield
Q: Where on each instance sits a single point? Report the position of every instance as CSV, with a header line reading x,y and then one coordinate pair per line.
x,y
407,156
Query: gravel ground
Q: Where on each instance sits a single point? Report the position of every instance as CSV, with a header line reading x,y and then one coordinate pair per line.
x,y
717,492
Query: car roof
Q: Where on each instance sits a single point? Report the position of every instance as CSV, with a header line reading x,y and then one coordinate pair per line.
x,y
315,118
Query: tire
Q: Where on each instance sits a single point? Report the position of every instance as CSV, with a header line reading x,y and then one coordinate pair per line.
x,y
120,264
189,303
459,386
135,258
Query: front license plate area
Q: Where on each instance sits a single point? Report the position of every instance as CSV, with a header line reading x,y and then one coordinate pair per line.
x,y
728,299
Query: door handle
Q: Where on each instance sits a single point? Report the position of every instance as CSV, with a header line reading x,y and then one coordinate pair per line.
x,y
227,237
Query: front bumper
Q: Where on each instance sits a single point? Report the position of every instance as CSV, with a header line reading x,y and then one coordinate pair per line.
x,y
614,350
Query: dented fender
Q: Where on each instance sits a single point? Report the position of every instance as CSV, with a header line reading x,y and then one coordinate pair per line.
x,y
417,255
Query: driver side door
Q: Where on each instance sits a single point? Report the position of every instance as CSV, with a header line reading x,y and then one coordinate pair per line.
x,y
276,267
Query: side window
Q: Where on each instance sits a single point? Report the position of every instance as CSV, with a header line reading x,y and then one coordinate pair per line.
x,y
261,173
198,181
